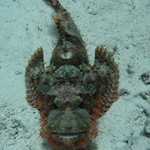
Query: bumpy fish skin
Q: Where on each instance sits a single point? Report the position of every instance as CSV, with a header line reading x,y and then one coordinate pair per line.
x,y
70,93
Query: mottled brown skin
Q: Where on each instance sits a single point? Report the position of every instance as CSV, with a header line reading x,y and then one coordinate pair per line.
x,y
70,94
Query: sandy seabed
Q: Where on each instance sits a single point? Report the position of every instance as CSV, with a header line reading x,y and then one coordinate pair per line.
x,y
122,26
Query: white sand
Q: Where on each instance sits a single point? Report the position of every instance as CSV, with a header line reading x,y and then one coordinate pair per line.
x,y
121,25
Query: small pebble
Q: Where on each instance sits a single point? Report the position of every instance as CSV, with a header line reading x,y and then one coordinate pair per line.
x,y
17,72
123,92
146,77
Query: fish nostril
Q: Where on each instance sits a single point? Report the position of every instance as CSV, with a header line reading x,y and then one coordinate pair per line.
x,y
67,104
69,127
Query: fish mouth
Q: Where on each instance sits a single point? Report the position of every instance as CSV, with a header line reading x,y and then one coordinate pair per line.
x,y
69,135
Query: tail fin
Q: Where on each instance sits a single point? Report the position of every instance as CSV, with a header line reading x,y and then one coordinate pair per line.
x,y
65,25
55,4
